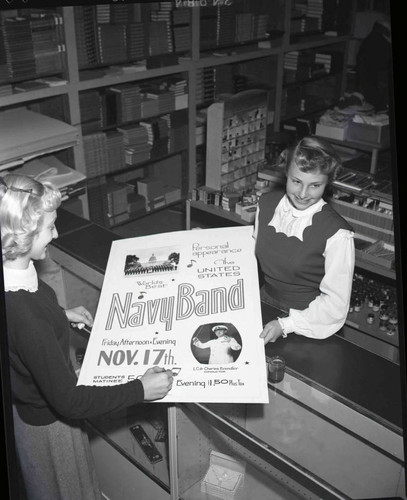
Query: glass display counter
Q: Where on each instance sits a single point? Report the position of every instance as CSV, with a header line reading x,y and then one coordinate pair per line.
x,y
291,448
332,427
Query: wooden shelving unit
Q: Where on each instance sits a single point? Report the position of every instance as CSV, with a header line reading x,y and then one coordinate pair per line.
x,y
197,58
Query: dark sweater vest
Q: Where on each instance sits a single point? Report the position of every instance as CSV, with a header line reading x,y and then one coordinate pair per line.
x,y
293,269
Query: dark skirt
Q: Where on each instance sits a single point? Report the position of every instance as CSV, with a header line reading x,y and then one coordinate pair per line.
x,y
56,461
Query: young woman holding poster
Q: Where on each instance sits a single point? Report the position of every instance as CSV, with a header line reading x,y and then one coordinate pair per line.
x,y
48,406
305,249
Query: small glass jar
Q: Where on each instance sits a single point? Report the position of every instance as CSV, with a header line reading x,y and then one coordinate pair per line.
x,y
384,320
370,318
393,320
376,305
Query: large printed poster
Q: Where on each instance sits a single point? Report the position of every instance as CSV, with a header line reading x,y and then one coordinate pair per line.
x,y
188,301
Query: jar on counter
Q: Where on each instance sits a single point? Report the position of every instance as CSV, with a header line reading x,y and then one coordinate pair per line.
x,y
393,320
376,305
370,318
384,320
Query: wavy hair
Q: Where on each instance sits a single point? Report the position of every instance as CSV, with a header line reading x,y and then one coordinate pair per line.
x,y
312,154
23,203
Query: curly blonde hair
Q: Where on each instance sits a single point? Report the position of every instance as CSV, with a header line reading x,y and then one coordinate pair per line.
x,y
23,203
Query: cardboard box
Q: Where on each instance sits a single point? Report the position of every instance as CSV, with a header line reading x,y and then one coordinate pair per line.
x,y
224,476
338,133
363,132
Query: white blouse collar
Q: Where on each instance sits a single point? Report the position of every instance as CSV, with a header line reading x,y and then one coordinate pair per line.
x,y
20,279
288,207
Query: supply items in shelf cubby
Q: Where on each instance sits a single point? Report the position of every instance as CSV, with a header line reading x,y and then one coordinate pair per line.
x,y
120,34
370,216
313,63
31,45
354,120
224,26
236,134
376,301
117,202
49,168
310,17
224,476
129,102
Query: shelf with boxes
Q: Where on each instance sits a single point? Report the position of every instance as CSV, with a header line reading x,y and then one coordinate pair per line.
x,y
238,24
135,134
32,50
313,19
130,38
312,79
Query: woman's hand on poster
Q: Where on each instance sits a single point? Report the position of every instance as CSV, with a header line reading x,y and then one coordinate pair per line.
x,y
157,382
271,331
79,315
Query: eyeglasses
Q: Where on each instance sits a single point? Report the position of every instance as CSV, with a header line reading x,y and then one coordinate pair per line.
x,y
17,190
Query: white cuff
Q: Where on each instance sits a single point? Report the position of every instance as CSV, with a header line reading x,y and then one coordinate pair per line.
x,y
287,325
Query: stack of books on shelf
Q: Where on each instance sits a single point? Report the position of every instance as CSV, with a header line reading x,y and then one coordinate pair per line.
x,y
324,60
127,99
160,38
90,105
153,190
26,134
181,15
149,105
315,11
166,100
96,156
182,38
244,27
181,29
48,42
121,13
291,65
136,41
85,32
136,203
178,130
18,46
224,80
97,200
112,43
205,85
157,134
261,26
6,88
135,138
117,202
103,14
208,32
179,87
3,66
115,150
225,28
